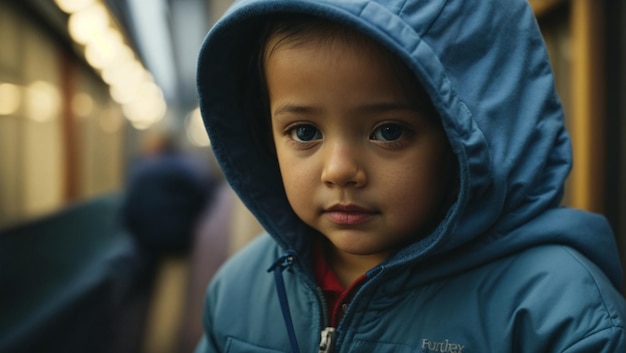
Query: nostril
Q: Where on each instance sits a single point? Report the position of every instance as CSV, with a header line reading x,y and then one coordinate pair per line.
x,y
344,176
342,165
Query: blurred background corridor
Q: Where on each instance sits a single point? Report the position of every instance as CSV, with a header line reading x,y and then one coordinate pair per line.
x,y
98,110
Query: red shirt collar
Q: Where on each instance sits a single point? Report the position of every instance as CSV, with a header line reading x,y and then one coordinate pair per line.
x,y
324,274
334,292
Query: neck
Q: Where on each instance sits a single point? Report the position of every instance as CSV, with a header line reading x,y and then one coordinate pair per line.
x,y
349,267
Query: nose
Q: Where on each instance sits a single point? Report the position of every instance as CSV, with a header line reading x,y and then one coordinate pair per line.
x,y
343,166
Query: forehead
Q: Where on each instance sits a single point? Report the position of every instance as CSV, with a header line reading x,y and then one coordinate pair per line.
x,y
327,37
293,35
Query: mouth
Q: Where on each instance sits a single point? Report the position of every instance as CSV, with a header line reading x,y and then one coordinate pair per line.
x,y
349,214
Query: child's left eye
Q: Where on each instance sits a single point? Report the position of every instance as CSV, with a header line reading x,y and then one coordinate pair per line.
x,y
387,132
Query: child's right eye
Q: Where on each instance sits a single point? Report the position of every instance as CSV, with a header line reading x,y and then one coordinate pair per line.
x,y
305,133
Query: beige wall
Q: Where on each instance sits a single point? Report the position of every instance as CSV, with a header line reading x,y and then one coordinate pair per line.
x,y
39,79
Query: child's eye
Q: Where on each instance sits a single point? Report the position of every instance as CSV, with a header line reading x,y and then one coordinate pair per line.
x,y
305,133
388,132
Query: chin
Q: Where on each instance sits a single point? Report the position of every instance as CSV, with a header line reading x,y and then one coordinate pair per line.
x,y
360,250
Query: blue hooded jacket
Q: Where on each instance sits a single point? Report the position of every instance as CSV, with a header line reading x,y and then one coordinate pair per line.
x,y
507,270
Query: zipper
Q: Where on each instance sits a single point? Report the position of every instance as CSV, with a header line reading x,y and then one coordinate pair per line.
x,y
324,314
327,341
329,334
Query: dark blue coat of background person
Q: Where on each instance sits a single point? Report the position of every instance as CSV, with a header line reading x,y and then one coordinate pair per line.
x,y
167,191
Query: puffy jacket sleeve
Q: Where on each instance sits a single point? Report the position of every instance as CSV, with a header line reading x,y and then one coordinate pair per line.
x,y
233,319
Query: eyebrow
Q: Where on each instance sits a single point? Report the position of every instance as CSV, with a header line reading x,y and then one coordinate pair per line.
x,y
289,108
420,107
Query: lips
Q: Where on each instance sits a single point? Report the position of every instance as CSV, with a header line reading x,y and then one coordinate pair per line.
x,y
348,214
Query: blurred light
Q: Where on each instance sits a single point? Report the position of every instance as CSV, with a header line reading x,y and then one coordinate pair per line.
x,y
104,49
43,101
141,125
91,25
148,107
88,23
70,6
10,98
196,132
82,105
117,74
113,69
126,87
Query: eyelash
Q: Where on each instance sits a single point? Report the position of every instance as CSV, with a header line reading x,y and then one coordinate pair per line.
x,y
404,132
397,129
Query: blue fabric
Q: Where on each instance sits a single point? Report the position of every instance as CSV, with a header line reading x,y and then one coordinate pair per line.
x,y
485,67
283,263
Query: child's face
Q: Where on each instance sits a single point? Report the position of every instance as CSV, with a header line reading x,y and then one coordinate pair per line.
x,y
360,161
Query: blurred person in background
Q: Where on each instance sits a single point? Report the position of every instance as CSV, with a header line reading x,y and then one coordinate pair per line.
x,y
168,189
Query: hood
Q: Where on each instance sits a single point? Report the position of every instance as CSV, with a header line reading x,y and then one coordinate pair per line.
x,y
492,85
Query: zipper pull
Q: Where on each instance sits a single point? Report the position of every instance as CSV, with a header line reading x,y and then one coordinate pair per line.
x,y
283,262
328,337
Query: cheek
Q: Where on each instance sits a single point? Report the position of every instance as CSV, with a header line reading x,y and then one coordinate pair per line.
x,y
415,205
416,190
298,181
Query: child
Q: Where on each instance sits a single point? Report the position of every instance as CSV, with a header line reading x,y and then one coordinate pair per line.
x,y
407,159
